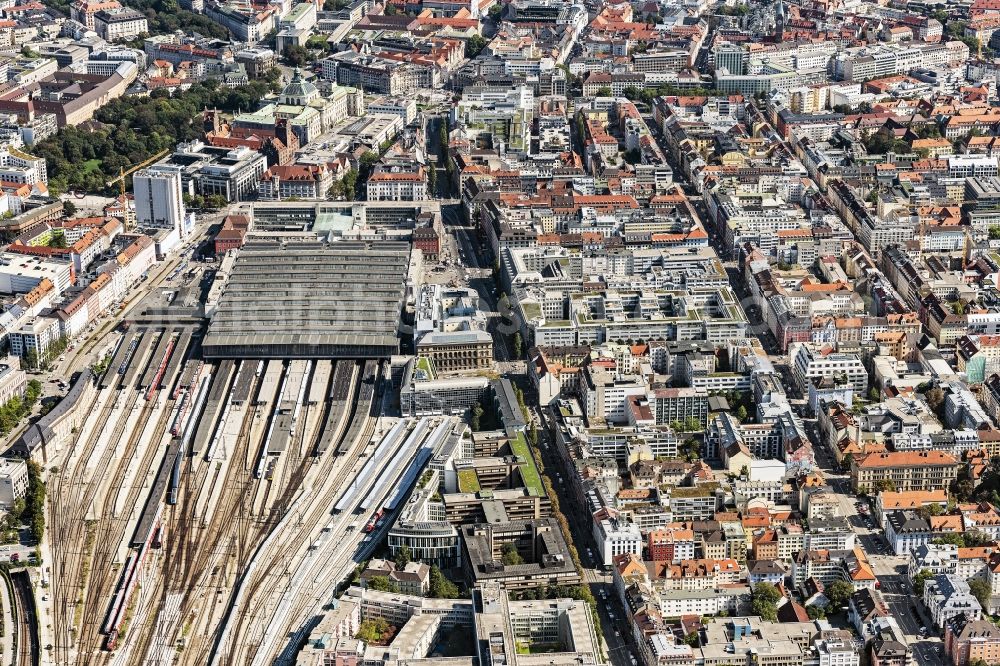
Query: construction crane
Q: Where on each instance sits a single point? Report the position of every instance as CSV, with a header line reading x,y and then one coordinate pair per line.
x,y
122,173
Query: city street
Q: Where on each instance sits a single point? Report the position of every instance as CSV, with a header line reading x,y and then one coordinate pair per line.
x,y
612,615
480,277
461,246
890,569
910,615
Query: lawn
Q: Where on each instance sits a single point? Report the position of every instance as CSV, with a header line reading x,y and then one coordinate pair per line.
x,y
529,473
468,481
91,165
425,367
538,648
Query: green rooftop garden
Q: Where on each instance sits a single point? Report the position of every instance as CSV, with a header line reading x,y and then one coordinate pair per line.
x,y
425,368
468,481
529,473
531,310
703,490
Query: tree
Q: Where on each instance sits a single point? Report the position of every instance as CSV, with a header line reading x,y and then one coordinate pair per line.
x,y
885,485
441,587
604,91
765,601
495,11
509,555
69,208
474,46
958,307
981,591
372,630
920,580
35,501
346,187
691,449
693,639
935,399
443,137
518,344
815,612
368,159
476,420
33,392
215,201
839,592
391,10
432,180
403,557
738,10
741,414
691,424
297,56
929,510
382,584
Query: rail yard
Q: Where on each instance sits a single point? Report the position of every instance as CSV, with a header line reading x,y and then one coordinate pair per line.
x,y
206,510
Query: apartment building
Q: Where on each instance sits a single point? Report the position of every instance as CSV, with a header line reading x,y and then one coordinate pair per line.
x,y
310,182
677,404
906,531
947,596
85,11
811,364
13,481
394,185
967,641
120,24
670,545
615,537
916,470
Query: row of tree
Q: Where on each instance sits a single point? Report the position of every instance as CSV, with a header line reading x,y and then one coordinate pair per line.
x,y
32,360
19,407
30,509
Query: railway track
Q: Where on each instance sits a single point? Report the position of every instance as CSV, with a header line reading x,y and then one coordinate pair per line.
x,y
82,549
298,613
112,530
261,590
319,510
185,556
70,535
28,643
188,565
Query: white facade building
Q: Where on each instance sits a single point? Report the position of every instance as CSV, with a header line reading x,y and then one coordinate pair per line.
x,y
809,363
615,537
13,480
159,199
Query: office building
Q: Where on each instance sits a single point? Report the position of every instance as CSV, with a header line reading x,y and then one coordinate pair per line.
x,y
159,199
13,481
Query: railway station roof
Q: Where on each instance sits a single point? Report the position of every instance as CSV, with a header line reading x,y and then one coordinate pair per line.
x,y
295,299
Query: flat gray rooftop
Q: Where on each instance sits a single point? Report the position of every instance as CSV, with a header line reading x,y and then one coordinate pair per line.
x,y
295,299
